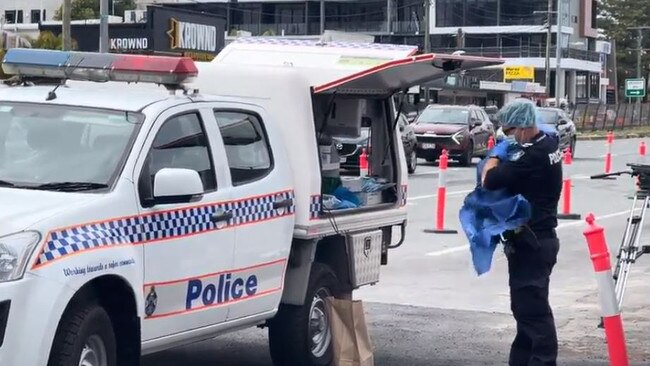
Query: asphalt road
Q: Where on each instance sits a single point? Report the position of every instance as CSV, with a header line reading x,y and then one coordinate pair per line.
x,y
431,309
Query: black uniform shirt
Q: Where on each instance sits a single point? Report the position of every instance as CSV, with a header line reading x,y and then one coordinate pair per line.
x,y
536,175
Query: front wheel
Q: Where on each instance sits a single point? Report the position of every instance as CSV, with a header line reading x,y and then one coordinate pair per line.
x,y
572,146
84,337
412,162
466,158
301,335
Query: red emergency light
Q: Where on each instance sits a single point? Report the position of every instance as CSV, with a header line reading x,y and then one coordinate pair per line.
x,y
98,66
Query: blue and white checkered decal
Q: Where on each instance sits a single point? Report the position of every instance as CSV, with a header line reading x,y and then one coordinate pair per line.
x,y
405,195
314,43
314,207
161,226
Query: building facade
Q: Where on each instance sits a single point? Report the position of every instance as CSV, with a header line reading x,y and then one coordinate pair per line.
x,y
28,11
515,30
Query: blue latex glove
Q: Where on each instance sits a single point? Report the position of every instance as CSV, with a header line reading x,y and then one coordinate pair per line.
x,y
500,150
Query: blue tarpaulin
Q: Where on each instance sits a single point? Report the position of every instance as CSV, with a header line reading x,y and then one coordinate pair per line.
x,y
487,214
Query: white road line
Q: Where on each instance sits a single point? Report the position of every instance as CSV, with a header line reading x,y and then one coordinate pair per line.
x,y
426,173
465,247
453,193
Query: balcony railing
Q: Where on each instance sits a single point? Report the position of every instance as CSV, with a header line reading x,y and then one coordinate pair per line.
x,y
277,29
523,52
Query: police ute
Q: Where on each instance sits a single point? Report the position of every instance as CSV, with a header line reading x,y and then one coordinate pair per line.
x,y
150,201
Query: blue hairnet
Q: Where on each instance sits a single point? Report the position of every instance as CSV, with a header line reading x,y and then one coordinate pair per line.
x,y
521,113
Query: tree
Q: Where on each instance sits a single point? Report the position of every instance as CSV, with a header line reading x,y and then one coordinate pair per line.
x,y
89,9
615,18
47,40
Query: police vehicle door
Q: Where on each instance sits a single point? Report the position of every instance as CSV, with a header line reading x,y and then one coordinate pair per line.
x,y
261,183
190,241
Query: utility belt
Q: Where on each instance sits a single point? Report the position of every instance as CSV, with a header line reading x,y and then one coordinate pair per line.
x,y
525,235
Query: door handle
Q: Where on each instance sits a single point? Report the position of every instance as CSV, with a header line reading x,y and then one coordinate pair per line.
x,y
222,217
283,204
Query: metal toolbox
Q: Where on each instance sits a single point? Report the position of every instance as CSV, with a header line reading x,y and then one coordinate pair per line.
x,y
365,250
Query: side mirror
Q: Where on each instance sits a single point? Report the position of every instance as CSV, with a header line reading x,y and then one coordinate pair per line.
x,y
172,185
562,122
475,122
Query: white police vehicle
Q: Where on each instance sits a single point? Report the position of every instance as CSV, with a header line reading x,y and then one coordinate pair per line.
x,y
135,219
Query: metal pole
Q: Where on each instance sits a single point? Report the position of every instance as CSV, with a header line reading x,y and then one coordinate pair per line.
x,y
558,56
67,37
103,26
639,49
389,18
322,17
427,44
548,48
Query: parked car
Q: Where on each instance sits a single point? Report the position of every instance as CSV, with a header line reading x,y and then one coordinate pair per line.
x,y
492,111
462,130
560,121
350,148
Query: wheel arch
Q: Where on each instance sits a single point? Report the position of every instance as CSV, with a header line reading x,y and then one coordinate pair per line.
x,y
331,251
118,298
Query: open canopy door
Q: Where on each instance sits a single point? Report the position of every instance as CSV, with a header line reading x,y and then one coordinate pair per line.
x,y
393,76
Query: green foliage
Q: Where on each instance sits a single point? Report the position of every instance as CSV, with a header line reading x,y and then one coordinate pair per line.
x,y
615,18
89,9
47,40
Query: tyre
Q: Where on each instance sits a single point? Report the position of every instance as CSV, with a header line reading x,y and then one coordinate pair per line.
x,y
84,337
466,158
301,335
412,162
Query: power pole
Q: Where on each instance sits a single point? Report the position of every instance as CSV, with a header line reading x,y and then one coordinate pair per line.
x,y
103,26
558,56
67,37
427,44
639,49
639,53
547,64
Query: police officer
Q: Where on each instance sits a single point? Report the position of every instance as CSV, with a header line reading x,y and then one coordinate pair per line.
x,y
536,174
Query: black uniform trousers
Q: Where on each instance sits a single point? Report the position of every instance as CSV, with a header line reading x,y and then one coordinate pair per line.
x,y
530,266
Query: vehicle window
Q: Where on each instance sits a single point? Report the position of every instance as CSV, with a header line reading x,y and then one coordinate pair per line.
x,y
455,116
181,142
44,144
484,116
247,149
402,121
548,117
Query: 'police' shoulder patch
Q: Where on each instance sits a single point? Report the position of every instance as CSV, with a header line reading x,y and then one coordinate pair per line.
x,y
516,156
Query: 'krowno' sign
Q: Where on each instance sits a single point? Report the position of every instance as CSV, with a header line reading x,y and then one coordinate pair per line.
x,y
635,88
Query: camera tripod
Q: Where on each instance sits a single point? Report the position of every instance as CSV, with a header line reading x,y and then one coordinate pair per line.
x,y
631,248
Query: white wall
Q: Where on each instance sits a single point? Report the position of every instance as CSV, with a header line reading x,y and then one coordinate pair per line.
x,y
27,6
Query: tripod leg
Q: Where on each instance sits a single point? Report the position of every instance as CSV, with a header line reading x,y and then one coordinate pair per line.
x,y
631,252
626,238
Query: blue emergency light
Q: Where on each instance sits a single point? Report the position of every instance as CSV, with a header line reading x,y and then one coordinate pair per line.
x,y
34,63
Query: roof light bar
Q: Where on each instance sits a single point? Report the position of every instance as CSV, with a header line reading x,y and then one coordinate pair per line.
x,y
98,66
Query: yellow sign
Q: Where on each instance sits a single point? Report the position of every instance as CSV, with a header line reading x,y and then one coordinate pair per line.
x,y
519,73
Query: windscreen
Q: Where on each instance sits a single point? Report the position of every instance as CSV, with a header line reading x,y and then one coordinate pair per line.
x,y
455,116
42,146
548,117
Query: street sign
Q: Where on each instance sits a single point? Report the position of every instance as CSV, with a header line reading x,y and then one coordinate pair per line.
x,y
635,88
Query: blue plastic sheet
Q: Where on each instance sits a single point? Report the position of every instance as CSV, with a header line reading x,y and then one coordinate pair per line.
x,y
487,214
